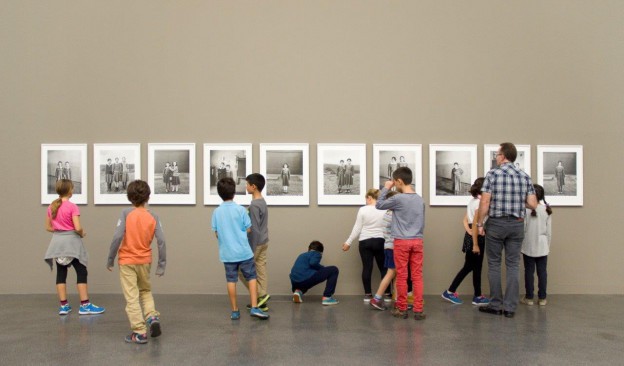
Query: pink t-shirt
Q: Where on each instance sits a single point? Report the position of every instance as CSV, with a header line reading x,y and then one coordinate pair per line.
x,y
64,215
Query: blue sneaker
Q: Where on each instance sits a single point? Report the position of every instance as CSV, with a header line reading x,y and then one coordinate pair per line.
x,y
452,297
90,309
153,323
329,301
64,309
257,313
235,315
136,338
480,300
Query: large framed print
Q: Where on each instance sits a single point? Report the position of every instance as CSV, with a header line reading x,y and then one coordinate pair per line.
x,y
341,174
523,159
171,173
560,172
286,170
388,157
227,160
64,161
452,169
114,167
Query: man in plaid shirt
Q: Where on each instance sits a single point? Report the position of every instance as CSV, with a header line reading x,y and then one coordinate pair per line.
x,y
506,192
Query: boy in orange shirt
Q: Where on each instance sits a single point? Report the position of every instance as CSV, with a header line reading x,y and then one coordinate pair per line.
x,y
133,236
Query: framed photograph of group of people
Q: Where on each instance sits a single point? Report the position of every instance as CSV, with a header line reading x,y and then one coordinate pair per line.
x,y
341,171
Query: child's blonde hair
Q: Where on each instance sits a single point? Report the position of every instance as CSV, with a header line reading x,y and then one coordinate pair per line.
x,y
372,193
63,188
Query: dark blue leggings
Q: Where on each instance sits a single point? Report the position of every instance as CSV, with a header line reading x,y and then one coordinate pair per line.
x,y
81,272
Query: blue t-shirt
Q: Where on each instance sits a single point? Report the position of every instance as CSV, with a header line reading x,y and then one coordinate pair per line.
x,y
231,222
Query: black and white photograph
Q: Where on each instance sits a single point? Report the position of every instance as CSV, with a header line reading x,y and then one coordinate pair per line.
x,y
388,157
63,161
226,160
285,168
560,172
171,173
341,174
114,167
452,169
523,160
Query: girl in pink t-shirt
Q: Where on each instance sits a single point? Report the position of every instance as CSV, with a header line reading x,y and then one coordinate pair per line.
x,y
66,248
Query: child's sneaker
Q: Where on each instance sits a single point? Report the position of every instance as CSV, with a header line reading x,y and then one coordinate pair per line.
x,y
378,304
90,309
452,297
257,313
542,302
262,300
480,300
329,301
398,313
136,338
387,298
235,315
368,297
526,301
297,297
64,309
264,307
419,315
153,323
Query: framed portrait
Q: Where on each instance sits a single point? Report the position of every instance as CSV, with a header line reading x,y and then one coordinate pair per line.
x,y
452,169
64,161
387,158
171,173
560,172
286,170
341,174
227,160
114,167
523,160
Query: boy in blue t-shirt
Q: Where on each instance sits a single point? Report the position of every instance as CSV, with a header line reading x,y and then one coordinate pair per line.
x,y
231,223
308,272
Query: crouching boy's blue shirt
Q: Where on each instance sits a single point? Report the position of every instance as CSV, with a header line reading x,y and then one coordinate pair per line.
x,y
306,265
231,222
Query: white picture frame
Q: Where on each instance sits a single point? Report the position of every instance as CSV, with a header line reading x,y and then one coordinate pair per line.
x,y
161,156
389,156
285,166
569,177
114,167
446,187
73,160
219,156
351,189
523,160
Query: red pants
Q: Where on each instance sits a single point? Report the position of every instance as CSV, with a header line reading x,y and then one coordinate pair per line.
x,y
409,252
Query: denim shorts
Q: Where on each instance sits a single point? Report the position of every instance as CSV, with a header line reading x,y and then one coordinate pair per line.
x,y
389,259
247,267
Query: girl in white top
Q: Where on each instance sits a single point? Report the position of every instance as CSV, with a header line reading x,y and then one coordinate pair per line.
x,y
535,248
369,227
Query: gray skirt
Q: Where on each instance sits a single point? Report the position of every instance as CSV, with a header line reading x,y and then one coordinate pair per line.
x,y
66,244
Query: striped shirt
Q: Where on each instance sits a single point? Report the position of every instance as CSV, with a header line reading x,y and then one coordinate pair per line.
x,y
509,187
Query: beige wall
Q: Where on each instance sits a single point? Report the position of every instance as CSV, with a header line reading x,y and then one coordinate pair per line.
x,y
532,72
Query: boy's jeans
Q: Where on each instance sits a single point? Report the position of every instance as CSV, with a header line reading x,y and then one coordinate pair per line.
x,y
137,289
409,253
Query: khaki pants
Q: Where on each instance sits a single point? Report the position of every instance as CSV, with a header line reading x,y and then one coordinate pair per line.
x,y
260,256
137,289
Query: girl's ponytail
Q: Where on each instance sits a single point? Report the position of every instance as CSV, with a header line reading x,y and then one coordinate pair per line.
x,y
54,206
548,209
64,188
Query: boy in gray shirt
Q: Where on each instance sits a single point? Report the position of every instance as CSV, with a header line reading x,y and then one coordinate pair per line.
x,y
408,222
258,236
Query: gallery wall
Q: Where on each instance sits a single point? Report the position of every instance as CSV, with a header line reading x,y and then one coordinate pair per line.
x,y
408,72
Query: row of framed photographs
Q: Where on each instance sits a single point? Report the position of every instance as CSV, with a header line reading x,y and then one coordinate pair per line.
x,y
341,171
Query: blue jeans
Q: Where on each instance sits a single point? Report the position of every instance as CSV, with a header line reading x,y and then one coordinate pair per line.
x,y
504,233
329,273
530,263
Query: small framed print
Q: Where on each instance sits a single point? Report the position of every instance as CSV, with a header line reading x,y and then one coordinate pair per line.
x,y
286,170
171,173
64,161
560,172
341,174
523,160
387,158
452,169
227,160
114,167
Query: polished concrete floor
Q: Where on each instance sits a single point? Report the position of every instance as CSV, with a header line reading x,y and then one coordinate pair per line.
x,y
570,330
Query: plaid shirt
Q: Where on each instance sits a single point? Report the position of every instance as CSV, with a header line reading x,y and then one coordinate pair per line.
x,y
509,187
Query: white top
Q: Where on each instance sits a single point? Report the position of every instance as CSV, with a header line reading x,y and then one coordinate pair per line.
x,y
472,207
537,232
368,224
